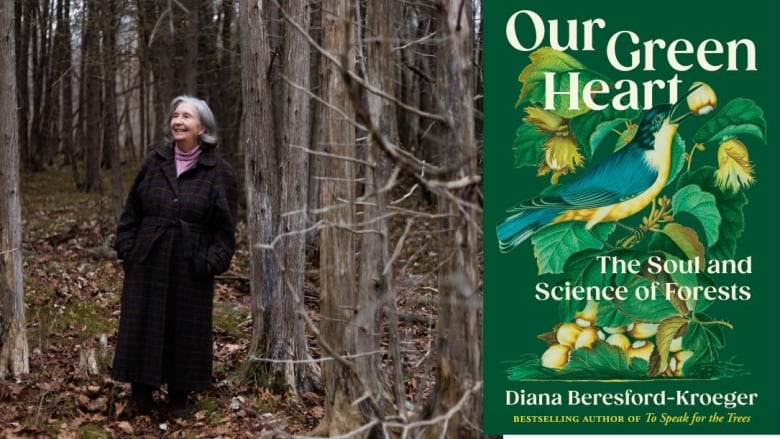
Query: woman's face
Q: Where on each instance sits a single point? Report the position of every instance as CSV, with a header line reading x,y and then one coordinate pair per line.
x,y
185,126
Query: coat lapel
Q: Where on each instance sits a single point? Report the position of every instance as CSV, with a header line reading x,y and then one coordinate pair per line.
x,y
168,166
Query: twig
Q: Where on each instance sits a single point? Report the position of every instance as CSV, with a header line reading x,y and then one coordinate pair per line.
x,y
5,252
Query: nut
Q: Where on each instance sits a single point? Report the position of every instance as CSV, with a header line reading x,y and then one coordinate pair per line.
x,y
642,330
614,329
587,337
620,341
587,317
641,349
567,334
556,356
702,100
675,345
677,360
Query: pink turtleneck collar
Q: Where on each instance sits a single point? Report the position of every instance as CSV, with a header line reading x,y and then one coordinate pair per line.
x,y
186,160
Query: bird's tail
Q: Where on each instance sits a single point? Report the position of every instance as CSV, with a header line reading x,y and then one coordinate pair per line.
x,y
516,228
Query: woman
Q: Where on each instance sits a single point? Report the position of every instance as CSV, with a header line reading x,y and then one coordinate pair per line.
x,y
175,234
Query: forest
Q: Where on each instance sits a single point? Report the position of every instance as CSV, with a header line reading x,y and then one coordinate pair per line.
x,y
352,307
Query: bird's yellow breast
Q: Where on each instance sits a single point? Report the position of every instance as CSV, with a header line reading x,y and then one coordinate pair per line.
x,y
659,158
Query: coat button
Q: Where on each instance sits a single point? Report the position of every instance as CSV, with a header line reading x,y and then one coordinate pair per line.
x,y
175,200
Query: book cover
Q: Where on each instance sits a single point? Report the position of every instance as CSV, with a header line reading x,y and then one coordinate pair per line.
x,y
630,211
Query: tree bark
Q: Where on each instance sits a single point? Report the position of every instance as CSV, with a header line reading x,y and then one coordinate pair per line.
x,y
459,376
110,14
376,277
285,336
160,57
22,44
63,69
261,168
276,197
14,358
345,380
93,99
187,39
228,80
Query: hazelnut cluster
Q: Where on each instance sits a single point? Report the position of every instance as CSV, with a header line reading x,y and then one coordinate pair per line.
x,y
636,339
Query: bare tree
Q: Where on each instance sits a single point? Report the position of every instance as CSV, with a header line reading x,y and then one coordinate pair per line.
x,y
187,42
277,190
62,69
376,274
110,25
347,378
14,358
22,19
42,122
284,334
459,376
92,99
261,166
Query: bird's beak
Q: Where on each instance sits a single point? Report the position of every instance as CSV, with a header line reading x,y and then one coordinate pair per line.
x,y
682,99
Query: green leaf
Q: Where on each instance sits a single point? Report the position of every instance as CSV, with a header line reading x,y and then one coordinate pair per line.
x,y
626,136
662,243
739,116
581,260
704,339
528,145
591,128
733,130
651,310
610,315
584,270
702,205
678,158
702,304
730,206
553,245
685,238
562,65
603,130
600,361
546,59
529,367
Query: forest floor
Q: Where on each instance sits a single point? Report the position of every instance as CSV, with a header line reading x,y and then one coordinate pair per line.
x,y
72,298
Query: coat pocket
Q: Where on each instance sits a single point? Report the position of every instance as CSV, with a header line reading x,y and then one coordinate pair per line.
x,y
199,265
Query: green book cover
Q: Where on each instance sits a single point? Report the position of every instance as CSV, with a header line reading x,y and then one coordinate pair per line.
x,y
630,210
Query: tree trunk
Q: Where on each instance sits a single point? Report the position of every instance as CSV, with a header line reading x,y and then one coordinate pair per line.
x,y
277,206
14,358
459,376
93,91
187,39
160,57
346,381
110,21
376,278
63,69
284,335
41,114
261,167
144,87
228,79
22,44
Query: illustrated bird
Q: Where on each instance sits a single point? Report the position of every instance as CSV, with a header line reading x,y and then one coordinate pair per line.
x,y
611,190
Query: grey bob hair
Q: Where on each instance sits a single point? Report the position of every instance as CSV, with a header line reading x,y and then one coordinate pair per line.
x,y
209,139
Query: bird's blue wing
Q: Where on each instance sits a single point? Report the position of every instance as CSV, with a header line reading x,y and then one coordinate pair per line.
x,y
621,176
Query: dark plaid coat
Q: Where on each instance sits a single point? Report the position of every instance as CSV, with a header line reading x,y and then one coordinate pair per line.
x,y
174,235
